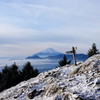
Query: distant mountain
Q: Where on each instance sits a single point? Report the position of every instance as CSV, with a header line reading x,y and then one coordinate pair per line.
x,y
48,52
45,54
79,57
53,54
59,56
33,57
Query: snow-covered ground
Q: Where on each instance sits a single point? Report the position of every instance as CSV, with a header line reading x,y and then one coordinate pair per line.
x,y
81,82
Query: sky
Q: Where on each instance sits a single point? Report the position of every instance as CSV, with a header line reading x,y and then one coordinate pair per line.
x,y
30,26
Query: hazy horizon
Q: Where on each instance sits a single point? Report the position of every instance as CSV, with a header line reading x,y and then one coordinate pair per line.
x,y
28,26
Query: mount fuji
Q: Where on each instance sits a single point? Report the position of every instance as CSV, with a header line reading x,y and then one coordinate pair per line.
x,y
55,55
45,54
48,52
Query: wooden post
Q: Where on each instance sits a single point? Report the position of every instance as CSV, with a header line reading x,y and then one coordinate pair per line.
x,y
74,55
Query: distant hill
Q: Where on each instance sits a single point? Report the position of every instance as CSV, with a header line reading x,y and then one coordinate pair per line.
x,y
59,56
33,57
79,57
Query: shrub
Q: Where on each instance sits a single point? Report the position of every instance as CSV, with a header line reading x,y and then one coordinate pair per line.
x,y
64,61
93,50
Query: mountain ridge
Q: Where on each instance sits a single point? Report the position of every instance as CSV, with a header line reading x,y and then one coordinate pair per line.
x,y
33,57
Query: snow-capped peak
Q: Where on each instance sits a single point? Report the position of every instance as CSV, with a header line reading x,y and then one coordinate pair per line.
x,y
50,50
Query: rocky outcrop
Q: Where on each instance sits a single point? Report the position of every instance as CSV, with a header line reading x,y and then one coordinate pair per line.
x,y
81,82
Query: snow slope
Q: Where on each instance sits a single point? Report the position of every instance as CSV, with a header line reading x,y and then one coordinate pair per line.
x,y
81,82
